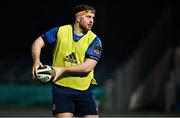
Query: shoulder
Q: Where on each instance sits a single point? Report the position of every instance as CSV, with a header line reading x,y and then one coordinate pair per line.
x,y
54,29
66,26
97,41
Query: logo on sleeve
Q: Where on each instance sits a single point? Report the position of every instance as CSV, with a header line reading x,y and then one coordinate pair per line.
x,y
97,49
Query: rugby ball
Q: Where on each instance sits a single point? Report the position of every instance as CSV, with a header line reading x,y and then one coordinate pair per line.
x,y
45,74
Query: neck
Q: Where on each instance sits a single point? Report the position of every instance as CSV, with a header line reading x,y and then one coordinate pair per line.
x,y
78,30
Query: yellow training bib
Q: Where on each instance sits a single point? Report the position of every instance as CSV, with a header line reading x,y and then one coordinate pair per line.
x,y
67,52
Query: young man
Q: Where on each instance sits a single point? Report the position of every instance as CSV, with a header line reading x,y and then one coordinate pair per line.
x,y
76,52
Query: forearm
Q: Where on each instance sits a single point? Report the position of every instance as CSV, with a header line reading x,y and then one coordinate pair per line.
x,y
35,54
85,67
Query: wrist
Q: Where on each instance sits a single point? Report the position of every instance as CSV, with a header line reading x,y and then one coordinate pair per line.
x,y
36,61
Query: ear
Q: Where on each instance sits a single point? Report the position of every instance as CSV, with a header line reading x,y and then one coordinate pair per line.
x,y
78,18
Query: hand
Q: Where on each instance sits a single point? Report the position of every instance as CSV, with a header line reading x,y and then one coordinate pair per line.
x,y
59,71
35,67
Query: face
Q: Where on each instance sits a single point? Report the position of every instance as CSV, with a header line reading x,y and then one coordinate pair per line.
x,y
86,20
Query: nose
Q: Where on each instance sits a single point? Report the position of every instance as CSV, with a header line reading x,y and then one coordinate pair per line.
x,y
91,20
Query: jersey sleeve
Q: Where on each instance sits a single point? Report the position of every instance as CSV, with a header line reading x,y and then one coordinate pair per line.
x,y
50,36
94,50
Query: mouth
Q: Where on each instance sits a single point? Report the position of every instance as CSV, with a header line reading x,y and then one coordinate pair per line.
x,y
89,25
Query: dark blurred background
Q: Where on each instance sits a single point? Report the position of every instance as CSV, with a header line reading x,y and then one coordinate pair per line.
x,y
139,68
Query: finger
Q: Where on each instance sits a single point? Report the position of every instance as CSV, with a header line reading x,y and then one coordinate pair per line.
x,y
54,80
34,72
33,75
41,65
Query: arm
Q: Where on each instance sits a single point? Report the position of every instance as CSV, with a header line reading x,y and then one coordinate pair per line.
x,y
85,67
91,59
36,51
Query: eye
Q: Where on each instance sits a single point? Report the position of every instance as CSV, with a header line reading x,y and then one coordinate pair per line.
x,y
90,17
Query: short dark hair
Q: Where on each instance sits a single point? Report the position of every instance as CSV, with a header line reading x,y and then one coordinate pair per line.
x,y
83,7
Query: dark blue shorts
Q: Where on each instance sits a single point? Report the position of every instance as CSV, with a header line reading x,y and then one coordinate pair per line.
x,y
79,103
